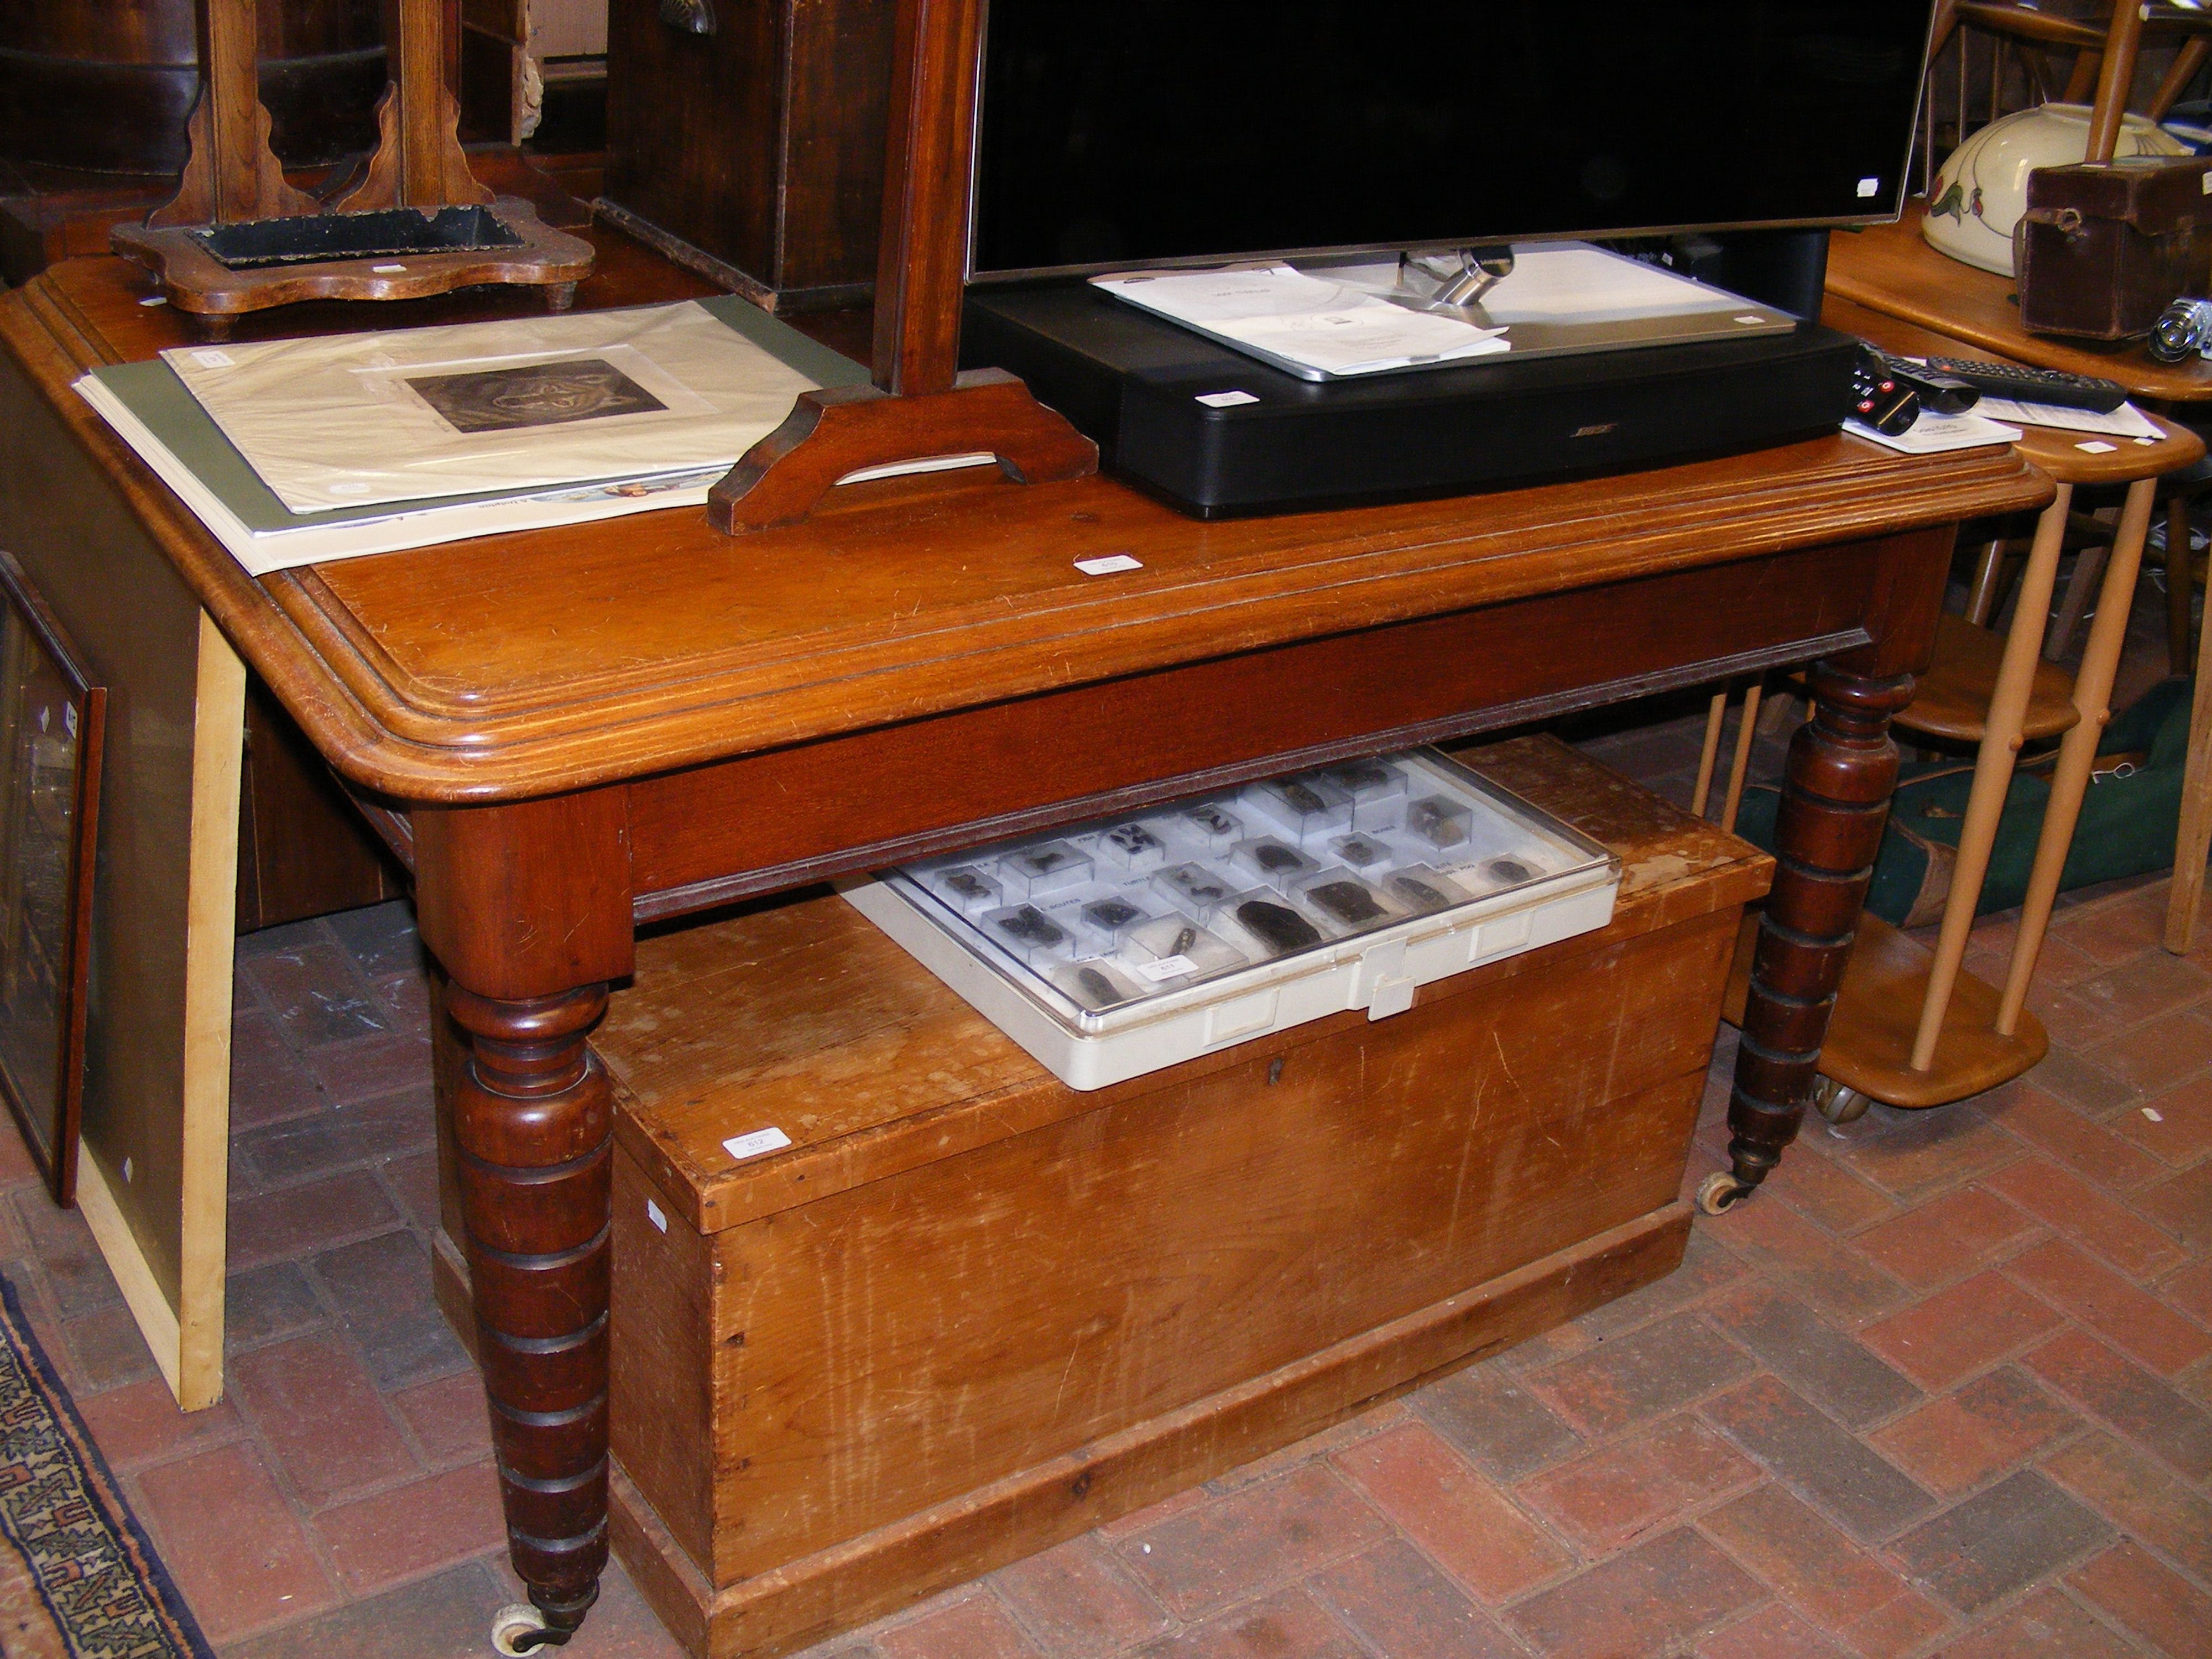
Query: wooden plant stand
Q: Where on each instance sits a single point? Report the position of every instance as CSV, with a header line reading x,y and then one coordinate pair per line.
x,y
232,183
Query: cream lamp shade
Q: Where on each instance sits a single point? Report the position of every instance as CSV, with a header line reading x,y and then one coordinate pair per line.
x,y
1979,195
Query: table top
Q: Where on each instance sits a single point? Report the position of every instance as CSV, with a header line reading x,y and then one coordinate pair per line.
x,y
524,664
1892,269
2056,452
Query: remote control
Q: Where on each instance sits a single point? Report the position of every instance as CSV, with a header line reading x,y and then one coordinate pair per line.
x,y
1880,401
2024,384
1939,394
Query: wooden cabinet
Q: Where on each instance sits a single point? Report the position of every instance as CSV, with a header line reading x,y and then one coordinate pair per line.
x,y
754,153
970,1311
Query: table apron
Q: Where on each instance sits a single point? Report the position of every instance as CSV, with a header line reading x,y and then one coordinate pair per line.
x,y
764,822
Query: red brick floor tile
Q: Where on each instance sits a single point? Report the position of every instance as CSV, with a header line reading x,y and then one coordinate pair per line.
x,y
1502,1428
2061,1200
426,1524
2124,1314
314,991
268,1081
342,1134
395,1062
2141,988
1608,1496
1947,1238
1824,1575
2139,1592
2087,1087
2064,1136
1075,1601
1809,1262
414,1180
445,1616
1664,1593
262,1303
2158,1054
1769,1632
1999,1542
2190,1291
2183,1206
300,1220
231,1541
1707,1266
2125,1397
2180,1132
1403,1608
450,1422
1312,1448
1959,1441
2134,1493
1955,1333
2112,929
109,1349
322,1417
1829,1193
1633,1379
1138,1522
2046,1626
141,1424
1440,1502
1820,1463
1837,1373
1226,1550
1288,1624
973,1627
1913,1157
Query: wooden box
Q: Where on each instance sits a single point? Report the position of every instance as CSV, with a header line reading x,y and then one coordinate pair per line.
x,y
753,155
970,1312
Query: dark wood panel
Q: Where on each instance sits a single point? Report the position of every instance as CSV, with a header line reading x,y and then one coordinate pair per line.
x,y
302,850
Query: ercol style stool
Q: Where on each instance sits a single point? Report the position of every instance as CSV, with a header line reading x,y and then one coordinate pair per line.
x,y
1912,1029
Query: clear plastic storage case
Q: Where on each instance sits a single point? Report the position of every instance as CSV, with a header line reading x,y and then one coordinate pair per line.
x,y
1114,948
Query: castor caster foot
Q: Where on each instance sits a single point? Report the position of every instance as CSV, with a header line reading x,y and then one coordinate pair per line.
x,y
1721,1191
1837,1104
518,1628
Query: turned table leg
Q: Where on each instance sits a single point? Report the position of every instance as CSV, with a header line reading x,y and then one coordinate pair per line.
x,y
527,907
533,1128
1835,800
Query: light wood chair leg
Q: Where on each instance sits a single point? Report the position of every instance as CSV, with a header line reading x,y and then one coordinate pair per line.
x,y
2180,583
2087,568
1747,729
1982,597
1714,715
2092,695
1993,770
2193,841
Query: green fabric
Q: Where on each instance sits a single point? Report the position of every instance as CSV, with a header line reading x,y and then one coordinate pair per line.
x,y
2127,826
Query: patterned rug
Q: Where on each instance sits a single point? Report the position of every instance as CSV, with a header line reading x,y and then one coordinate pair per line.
x,y
77,1579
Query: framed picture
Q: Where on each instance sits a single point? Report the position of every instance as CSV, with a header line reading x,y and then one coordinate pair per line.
x,y
52,718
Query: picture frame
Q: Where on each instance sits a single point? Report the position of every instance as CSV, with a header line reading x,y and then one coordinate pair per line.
x,y
52,732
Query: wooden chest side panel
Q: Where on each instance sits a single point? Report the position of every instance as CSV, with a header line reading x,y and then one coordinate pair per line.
x,y
658,1391
925,1334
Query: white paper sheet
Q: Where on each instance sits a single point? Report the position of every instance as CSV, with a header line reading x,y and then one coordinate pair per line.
x,y
357,419
1305,323
2125,422
1569,282
1933,435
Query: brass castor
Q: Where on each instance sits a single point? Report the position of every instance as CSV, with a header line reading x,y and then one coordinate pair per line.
x,y
518,1628
1836,1102
1721,1191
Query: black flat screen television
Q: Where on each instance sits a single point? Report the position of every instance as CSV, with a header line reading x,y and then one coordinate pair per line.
x,y
1113,133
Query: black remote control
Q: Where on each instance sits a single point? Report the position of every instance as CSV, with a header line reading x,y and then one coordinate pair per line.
x,y
1939,394
1880,401
2024,384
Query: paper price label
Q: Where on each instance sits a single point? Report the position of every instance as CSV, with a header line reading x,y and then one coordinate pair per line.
x,y
1168,968
1107,564
742,1147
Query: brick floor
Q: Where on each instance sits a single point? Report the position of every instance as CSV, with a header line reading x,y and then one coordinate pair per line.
x,y
1944,1388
